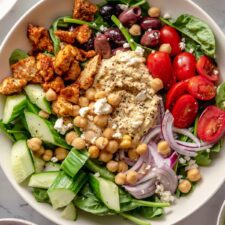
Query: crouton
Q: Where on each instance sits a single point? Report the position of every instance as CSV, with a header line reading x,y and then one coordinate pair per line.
x,y
87,76
66,36
57,85
71,93
84,10
38,79
39,38
87,54
25,69
74,72
83,33
12,85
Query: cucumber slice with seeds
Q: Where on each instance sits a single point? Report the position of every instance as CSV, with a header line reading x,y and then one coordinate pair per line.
x,y
69,213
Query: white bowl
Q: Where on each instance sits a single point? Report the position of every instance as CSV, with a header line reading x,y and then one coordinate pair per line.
x,y
6,6
43,14
221,217
13,221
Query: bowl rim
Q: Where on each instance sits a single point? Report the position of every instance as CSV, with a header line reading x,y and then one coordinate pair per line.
x,y
221,214
17,220
34,206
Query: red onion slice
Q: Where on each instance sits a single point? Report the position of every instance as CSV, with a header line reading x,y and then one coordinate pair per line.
x,y
151,134
193,147
172,160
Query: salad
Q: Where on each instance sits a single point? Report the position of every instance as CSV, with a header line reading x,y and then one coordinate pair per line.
x,y
114,109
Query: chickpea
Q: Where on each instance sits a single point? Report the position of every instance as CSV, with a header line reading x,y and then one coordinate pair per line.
x,y
90,94
80,122
127,137
185,186
78,143
142,149
105,157
154,12
76,109
132,177
112,166
34,144
70,137
101,143
133,155
163,148
114,99
61,153
108,133
125,144
43,114
135,30
99,95
50,95
83,102
112,147
122,167
47,155
40,152
101,120
120,179
93,152
91,108
193,175
157,84
165,48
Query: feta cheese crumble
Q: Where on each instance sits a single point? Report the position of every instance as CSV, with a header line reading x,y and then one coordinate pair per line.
x,y
103,28
62,128
84,111
191,165
140,51
123,6
166,16
126,45
54,159
182,44
117,135
101,107
165,196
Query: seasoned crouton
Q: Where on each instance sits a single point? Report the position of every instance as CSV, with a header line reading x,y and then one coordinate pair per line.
x,y
86,78
66,36
74,72
63,108
84,10
57,85
87,55
12,85
45,67
71,93
25,68
83,33
39,38
38,79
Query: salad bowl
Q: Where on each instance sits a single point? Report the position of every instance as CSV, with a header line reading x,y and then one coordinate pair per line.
x,y
44,13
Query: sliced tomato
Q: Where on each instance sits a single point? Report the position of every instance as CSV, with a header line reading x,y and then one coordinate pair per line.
x,y
207,68
184,66
176,91
160,66
169,35
211,125
185,111
201,88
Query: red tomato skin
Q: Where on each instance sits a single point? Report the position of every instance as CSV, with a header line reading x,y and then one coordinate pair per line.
x,y
201,88
184,66
185,111
205,68
211,124
160,66
176,91
169,35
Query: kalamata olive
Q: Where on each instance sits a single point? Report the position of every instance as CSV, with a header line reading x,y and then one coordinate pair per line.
x,y
130,16
150,23
114,51
151,38
115,36
102,46
89,45
108,10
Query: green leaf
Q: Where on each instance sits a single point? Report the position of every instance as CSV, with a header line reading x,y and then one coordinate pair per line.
x,y
220,97
203,159
17,55
40,195
4,130
192,46
217,147
150,213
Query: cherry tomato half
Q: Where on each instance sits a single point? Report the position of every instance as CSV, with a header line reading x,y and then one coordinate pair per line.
x,y
211,125
185,111
160,66
184,66
176,91
207,69
169,35
201,88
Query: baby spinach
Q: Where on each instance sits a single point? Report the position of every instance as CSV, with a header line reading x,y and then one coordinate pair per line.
x,y
17,55
4,129
192,46
220,97
149,213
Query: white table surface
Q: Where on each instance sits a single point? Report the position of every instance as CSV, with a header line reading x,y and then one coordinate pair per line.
x,y
12,205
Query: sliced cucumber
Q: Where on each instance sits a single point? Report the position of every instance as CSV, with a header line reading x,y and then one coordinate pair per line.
x,y
43,180
74,162
51,166
21,159
43,129
14,106
36,95
32,108
106,191
70,212
64,189
39,164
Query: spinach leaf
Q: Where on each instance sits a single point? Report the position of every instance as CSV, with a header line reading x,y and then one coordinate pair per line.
x,y
203,159
19,131
192,46
220,97
17,55
4,129
41,195
150,213
217,147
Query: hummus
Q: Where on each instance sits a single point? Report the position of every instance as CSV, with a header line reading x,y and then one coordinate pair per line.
x,y
126,74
